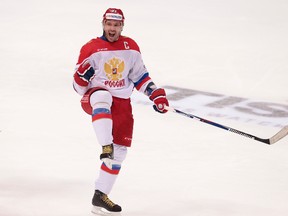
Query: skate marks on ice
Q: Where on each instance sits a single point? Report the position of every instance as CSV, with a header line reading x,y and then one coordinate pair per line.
x,y
103,212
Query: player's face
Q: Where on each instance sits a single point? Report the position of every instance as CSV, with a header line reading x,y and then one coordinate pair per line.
x,y
112,29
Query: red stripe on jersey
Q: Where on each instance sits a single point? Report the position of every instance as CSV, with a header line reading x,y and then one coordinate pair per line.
x,y
143,82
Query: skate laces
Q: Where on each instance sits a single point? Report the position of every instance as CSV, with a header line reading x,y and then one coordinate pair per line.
x,y
106,200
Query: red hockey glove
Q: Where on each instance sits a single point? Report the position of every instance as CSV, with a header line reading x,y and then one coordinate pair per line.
x,y
158,96
84,74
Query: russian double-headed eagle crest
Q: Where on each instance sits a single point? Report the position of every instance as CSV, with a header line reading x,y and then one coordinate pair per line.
x,y
114,68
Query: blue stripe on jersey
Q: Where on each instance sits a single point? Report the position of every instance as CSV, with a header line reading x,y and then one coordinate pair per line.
x,y
141,79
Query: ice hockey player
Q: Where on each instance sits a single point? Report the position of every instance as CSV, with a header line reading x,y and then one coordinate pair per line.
x,y
108,69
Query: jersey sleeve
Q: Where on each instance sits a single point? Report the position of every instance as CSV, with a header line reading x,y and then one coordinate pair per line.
x,y
139,74
79,85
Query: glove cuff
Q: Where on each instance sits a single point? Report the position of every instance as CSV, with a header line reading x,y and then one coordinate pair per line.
x,y
160,92
80,81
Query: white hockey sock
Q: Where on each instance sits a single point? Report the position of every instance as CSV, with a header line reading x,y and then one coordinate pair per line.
x,y
102,125
101,102
105,181
107,177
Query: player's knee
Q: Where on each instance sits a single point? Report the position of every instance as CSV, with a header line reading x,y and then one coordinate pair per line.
x,y
113,166
120,153
101,99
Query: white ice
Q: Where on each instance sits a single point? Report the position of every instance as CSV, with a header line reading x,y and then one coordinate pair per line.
x,y
176,166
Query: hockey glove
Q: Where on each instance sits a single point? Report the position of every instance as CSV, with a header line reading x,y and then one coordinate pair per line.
x,y
107,155
84,74
158,96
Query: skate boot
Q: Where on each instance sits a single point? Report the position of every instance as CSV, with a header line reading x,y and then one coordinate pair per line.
x,y
101,201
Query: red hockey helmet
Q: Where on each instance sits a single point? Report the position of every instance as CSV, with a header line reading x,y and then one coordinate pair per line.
x,y
114,14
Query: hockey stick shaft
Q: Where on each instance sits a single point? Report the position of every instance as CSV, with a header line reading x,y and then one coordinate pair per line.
x,y
282,133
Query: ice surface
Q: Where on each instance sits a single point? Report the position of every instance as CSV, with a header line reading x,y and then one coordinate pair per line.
x,y
48,150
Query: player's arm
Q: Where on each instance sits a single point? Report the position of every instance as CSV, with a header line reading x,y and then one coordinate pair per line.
x,y
157,95
143,83
84,72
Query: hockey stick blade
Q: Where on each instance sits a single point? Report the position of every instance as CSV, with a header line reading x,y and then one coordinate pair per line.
x,y
281,134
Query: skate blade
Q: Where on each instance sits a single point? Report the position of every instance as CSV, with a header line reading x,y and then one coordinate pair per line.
x,y
103,212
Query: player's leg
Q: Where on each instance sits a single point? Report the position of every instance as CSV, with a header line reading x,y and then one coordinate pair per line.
x,y
108,129
112,155
106,180
122,138
101,102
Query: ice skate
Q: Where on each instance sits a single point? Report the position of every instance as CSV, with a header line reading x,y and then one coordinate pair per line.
x,y
103,206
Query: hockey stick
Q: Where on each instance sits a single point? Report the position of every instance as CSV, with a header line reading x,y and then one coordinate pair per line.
x,y
282,133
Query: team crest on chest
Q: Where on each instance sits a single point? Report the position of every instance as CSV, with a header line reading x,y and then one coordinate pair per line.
x,y
114,69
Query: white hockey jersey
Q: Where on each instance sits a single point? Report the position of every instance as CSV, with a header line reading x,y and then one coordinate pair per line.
x,y
118,67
